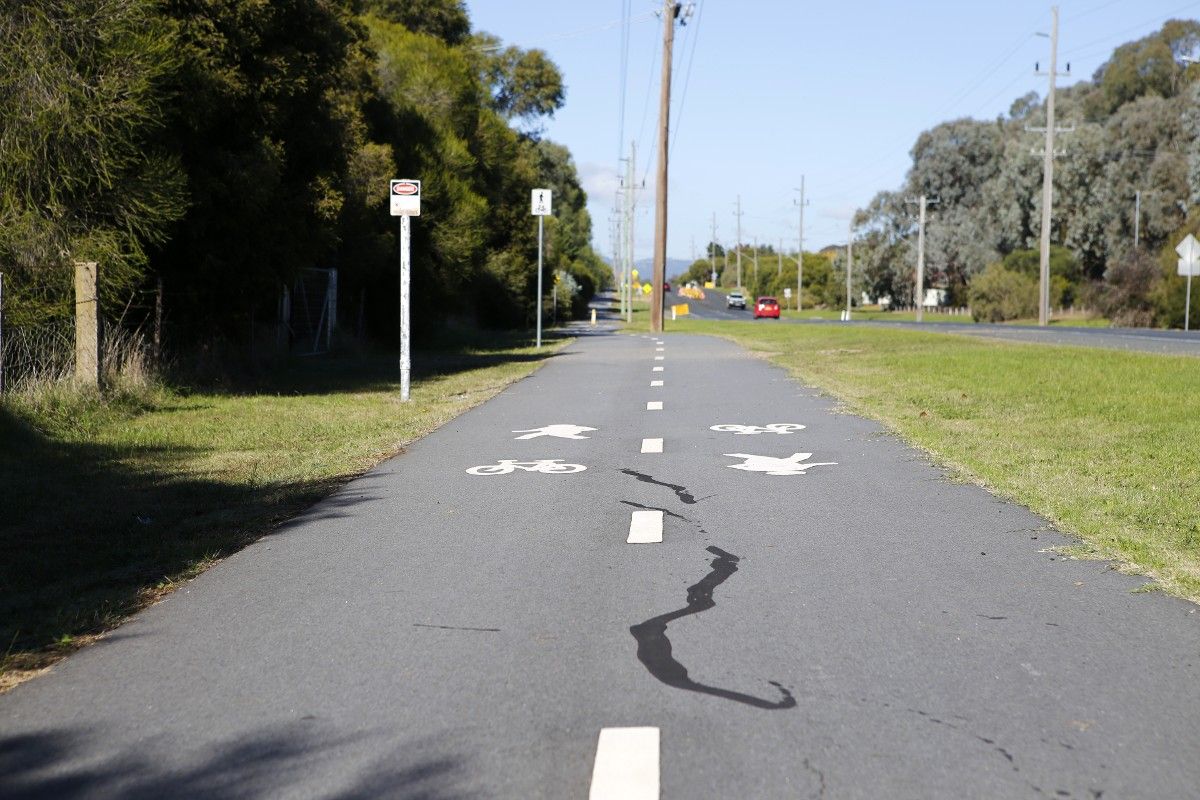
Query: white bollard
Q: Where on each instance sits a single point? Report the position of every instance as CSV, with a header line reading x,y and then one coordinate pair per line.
x,y
593,317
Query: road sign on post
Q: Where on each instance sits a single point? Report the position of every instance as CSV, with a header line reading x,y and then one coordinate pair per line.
x,y
540,207
405,203
1189,265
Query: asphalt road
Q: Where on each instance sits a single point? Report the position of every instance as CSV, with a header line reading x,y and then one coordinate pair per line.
x,y
1140,339
855,626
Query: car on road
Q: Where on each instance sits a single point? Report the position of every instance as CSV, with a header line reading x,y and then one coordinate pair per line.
x,y
666,286
735,300
766,307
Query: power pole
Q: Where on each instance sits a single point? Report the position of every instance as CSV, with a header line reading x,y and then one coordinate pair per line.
x,y
739,241
630,215
849,263
779,259
670,10
1048,174
920,293
800,251
756,263
1137,220
712,252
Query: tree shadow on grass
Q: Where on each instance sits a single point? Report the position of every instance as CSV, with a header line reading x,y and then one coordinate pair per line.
x,y
272,762
85,537
379,370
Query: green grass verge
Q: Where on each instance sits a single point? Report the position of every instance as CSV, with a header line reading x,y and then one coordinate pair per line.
x,y
109,504
1104,443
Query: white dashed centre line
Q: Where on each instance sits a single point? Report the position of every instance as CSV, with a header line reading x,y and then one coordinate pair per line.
x,y
660,358
652,445
658,369
645,527
654,405
626,765
660,349
656,383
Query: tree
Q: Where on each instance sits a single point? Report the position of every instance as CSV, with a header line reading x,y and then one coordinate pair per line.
x,y
443,19
81,177
998,295
266,123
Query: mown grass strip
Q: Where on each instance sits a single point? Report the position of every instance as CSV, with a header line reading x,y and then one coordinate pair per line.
x,y
107,505
1104,443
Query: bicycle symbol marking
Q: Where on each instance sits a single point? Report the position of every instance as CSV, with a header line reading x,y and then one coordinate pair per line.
x,y
547,466
781,428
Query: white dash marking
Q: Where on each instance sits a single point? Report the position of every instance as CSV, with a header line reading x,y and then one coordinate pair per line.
x,y
660,349
645,527
656,383
654,405
652,445
626,765
660,358
658,369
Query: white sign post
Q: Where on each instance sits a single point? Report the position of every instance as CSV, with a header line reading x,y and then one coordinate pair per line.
x,y
1189,265
405,203
540,208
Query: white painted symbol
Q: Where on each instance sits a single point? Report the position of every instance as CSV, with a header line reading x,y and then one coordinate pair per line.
x,y
549,466
754,430
652,445
654,405
777,466
560,431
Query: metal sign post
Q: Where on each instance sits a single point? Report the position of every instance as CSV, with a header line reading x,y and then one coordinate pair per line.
x,y
540,208
405,203
1189,265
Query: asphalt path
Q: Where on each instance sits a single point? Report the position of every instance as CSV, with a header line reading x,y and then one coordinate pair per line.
x,y
1148,340
855,626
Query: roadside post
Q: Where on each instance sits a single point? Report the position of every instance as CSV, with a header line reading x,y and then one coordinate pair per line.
x,y
540,208
2,332
405,197
1189,265
787,296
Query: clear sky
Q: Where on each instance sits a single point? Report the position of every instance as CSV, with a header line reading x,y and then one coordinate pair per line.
x,y
768,90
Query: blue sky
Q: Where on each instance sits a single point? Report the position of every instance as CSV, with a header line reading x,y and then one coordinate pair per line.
x,y
834,91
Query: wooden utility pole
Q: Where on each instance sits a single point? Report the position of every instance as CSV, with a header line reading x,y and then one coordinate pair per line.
x,y
670,9
849,263
87,324
712,251
800,252
924,202
738,244
1048,178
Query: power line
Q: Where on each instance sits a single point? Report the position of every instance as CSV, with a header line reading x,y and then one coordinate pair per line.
x,y
1129,30
687,79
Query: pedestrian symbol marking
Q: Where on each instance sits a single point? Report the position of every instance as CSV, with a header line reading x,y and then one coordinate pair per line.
x,y
559,431
782,428
777,466
548,466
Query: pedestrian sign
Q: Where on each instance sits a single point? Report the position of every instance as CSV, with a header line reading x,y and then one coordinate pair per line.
x,y
540,204
405,198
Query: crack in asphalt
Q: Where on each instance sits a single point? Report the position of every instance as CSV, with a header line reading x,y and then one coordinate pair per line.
x,y
654,648
655,508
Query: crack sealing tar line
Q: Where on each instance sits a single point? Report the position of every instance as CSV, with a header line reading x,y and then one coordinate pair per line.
x,y
680,491
654,648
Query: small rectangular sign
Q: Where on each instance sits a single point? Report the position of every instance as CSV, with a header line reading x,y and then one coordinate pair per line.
x,y
540,203
405,197
1186,268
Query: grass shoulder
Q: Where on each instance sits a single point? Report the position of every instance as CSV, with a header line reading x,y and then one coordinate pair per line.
x,y
112,502
1103,443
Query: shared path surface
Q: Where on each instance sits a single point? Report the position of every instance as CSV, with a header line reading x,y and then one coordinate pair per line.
x,y
658,567
1148,340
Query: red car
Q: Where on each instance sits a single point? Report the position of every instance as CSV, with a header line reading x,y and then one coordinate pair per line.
x,y
766,307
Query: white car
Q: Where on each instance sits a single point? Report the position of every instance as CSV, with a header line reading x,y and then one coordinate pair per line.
x,y
735,300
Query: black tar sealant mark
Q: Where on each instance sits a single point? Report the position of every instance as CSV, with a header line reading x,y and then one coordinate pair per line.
x,y
654,648
455,628
680,491
654,508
